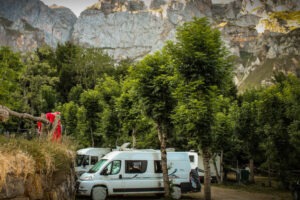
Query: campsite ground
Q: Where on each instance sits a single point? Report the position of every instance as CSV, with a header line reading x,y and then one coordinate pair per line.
x,y
220,193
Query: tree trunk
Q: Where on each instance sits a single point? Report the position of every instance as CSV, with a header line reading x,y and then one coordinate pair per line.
x,y
92,138
133,138
162,137
221,167
23,115
269,173
251,166
216,168
206,158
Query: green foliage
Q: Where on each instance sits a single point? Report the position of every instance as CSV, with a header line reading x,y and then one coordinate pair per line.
x,y
108,125
286,15
153,86
204,71
279,118
10,70
38,82
200,56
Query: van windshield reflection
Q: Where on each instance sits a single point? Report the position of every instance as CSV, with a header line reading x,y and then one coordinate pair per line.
x,y
97,166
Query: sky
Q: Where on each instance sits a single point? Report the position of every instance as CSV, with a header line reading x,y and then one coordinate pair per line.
x,y
77,6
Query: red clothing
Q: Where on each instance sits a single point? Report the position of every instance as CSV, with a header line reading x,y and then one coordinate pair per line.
x,y
51,118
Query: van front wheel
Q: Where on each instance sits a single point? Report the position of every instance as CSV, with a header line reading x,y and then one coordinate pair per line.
x,y
176,193
99,193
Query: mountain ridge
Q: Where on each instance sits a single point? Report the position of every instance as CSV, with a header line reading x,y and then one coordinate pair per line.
x,y
254,31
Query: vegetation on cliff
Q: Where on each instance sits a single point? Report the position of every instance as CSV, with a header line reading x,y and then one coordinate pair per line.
x,y
21,158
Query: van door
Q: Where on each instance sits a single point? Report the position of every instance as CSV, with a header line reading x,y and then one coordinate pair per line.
x,y
138,178
112,175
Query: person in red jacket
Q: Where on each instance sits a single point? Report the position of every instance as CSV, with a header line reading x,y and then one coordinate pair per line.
x,y
54,119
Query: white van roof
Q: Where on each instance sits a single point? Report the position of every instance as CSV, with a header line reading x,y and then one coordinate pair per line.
x,y
145,155
93,151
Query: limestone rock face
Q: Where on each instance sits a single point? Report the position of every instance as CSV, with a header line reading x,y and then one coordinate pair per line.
x,y
134,28
47,25
258,32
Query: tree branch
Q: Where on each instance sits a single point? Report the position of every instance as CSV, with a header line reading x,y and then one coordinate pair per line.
x,y
4,110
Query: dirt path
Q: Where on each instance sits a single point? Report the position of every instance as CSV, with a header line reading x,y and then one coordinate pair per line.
x,y
219,193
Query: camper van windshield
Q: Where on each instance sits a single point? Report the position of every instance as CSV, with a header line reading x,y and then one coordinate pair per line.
x,y
97,166
82,160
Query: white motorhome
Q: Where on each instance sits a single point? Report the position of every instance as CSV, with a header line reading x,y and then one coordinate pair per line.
x,y
135,172
87,158
197,161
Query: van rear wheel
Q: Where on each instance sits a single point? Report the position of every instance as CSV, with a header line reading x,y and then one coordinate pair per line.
x,y
176,192
99,193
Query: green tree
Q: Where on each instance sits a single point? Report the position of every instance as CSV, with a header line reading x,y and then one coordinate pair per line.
x,y
10,70
91,64
91,112
203,66
152,85
132,120
248,127
65,59
279,118
109,124
38,82
223,137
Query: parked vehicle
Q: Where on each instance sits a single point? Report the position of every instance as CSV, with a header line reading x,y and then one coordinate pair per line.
x,y
135,172
87,158
196,161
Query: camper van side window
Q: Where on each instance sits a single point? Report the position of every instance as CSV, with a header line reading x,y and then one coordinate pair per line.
x,y
113,167
94,160
157,166
135,166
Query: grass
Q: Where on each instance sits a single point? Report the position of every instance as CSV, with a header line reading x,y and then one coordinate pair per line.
x,y
21,158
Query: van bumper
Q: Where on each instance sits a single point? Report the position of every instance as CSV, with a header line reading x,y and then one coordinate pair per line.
x,y
83,188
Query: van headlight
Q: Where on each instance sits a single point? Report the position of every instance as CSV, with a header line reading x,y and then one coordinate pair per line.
x,y
87,178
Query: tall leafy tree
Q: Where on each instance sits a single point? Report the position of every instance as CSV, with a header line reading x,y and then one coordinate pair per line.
x,y
65,57
109,125
279,118
11,68
91,112
152,78
248,127
39,81
202,63
132,119
223,133
91,64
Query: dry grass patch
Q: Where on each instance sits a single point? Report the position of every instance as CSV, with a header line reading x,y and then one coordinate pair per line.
x,y
20,157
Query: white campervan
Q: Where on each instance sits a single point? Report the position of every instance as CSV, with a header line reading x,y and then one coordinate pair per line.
x,y
87,158
135,172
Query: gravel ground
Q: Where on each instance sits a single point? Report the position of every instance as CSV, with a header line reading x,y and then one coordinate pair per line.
x,y
218,193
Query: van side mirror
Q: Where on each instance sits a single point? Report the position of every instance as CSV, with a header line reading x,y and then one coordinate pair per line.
x,y
104,172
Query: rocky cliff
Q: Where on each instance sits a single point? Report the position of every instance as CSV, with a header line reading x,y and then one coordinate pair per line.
x,y
27,24
263,34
